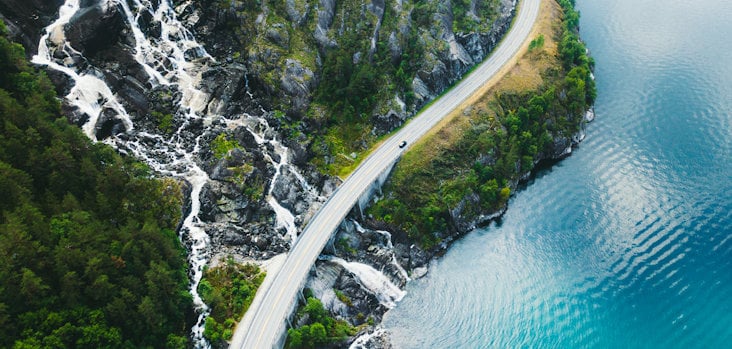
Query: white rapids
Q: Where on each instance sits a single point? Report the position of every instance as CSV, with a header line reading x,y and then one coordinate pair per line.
x,y
402,272
175,59
362,342
90,93
372,280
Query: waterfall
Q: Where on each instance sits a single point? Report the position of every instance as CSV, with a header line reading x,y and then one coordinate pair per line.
x,y
167,60
284,218
362,342
174,59
372,280
403,273
90,94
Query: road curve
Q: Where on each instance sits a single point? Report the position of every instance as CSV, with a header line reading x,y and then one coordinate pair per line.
x,y
265,319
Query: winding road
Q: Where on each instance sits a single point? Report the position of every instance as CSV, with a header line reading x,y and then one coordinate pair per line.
x,y
264,323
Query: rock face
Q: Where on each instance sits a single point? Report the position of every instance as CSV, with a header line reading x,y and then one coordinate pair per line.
x,y
95,28
284,46
282,57
235,211
26,19
461,52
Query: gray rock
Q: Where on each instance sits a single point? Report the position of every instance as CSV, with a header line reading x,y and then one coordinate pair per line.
x,y
326,276
279,38
418,273
292,194
326,13
394,46
297,16
297,83
108,124
95,28
25,20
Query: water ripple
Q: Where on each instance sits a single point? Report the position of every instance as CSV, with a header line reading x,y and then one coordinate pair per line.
x,y
627,243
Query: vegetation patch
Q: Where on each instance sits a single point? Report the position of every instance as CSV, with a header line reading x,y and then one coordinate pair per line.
x,y
476,19
164,121
320,329
467,168
222,145
346,94
363,68
343,298
228,290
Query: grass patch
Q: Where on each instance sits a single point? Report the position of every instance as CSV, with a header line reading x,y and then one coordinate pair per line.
x,y
222,145
524,75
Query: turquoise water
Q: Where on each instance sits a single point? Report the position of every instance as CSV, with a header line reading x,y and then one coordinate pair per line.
x,y
628,242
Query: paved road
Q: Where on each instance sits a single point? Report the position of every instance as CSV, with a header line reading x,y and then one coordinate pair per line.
x,y
264,322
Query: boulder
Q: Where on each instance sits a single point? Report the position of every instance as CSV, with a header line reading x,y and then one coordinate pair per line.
x,y
297,15
95,28
297,84
326,13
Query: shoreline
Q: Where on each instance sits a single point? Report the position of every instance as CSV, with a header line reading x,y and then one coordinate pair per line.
x,y
418,262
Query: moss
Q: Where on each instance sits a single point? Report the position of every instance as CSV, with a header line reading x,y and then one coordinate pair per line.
x,y
344,245
164,121
222,145
343,298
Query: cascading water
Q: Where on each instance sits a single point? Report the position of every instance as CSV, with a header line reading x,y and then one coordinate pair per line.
x,y
285,218
171,58
403,273
372,280
257,127
90,94
362,342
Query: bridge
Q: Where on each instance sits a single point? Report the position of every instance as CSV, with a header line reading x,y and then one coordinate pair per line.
x,y
264,324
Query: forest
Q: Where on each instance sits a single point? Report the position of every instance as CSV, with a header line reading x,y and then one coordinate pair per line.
x,y
89,256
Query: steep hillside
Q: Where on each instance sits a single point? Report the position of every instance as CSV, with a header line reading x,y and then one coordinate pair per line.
x,y
345,73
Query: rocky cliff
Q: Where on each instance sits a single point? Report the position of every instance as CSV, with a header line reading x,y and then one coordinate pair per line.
x,y
368,63
269,53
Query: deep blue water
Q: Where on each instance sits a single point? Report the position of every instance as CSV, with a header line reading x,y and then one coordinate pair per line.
x,y
628,242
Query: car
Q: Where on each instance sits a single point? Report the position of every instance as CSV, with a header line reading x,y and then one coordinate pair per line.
x,y
403,144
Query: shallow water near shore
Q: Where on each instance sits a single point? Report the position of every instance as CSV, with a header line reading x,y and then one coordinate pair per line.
x,y
628,242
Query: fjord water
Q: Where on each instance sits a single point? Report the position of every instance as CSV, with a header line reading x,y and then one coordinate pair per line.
x,y
628,242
